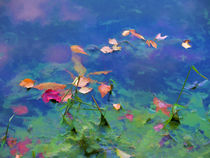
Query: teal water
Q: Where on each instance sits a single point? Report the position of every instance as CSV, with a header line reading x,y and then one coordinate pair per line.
x,y
35,40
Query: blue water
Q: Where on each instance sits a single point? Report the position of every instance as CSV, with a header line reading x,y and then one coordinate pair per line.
x,y
35,40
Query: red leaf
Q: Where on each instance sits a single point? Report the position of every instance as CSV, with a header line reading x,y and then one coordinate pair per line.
x,y
51,95
11,142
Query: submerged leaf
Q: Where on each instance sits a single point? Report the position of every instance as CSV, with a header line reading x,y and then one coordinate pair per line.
x,y
186,44
20,109
122,154
104,89
27,83
161,105
78,67
50,85
77,49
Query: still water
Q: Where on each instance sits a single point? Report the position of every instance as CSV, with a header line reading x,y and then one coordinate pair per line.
x,y
141,72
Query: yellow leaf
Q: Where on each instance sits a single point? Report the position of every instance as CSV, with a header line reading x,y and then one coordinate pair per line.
x,y
122,154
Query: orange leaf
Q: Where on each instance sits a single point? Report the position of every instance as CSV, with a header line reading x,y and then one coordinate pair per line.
x,y
99,72
77,49
106,49
148,42
153,44
50,85
27,83
85,90
78,67
126,33
133,32
186,44
117,106
83,81
104,89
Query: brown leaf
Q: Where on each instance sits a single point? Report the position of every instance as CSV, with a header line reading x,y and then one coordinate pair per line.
x,y
27,83
65,97
78,67
50,85
85,90
104,89
99,72
77,49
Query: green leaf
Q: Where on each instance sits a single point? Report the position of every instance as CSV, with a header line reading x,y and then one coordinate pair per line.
x,y
178,105
194,68
122,154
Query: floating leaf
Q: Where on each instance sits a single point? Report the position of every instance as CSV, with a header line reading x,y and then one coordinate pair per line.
x,y
106,49
77,49
186,44
113,41
85,90
116,48
83,81
51,95
20,109
194,68
133,32
99,72
64,96
117,106
148,42
104,89
159,37
126,33
122,154
50,85
78,67
161,105
27,83
153,44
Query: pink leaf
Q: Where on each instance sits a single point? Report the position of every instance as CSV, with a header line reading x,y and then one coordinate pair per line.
x,y
159,37
20,109
158,127
161,105
106,49
129,116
